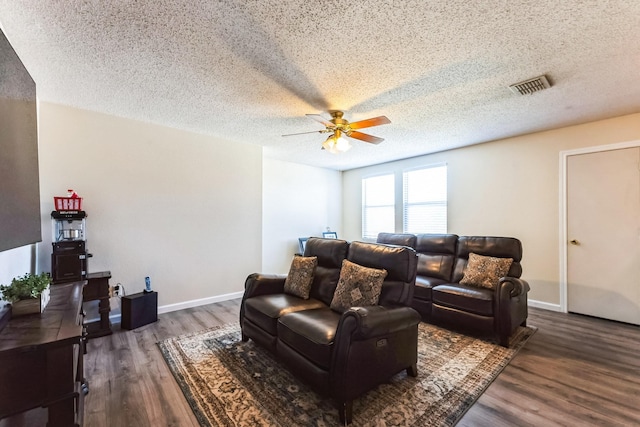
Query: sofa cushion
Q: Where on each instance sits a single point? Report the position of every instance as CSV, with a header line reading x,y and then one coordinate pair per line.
x,y
424,285
300,277
398,239
436,265
436,255
358,286
466,298
330,253
445,244
310,333
485,271
400,263
264,310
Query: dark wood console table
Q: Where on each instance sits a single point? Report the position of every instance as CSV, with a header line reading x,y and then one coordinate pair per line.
x,y
97,288
41,360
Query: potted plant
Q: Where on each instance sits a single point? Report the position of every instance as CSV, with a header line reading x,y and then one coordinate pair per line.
x,y
27,294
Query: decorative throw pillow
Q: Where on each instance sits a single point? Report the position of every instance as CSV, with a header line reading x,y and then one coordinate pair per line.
x,y
300,277
358,286
485,271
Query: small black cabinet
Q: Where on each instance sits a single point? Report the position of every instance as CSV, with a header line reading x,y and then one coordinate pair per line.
x,y
68,262
139,309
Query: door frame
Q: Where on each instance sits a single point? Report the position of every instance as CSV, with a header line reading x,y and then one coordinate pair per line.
x,y
564,220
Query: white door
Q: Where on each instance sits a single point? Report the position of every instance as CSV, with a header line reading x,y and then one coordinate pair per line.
x,y
603,229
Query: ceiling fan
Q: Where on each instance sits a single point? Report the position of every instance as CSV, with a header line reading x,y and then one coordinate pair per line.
x,y
339,128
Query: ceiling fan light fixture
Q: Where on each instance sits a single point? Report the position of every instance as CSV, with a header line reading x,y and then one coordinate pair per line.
x,y
336,143
339,128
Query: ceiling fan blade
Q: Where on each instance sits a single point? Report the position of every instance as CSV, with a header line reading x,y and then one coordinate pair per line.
x,y
382,120
304,133
319,118
365,137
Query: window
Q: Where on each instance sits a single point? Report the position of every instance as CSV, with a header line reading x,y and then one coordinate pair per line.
x,y
378,206
425,200
421,204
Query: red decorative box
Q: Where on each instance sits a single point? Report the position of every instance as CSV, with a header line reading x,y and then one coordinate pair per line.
x,y
68,203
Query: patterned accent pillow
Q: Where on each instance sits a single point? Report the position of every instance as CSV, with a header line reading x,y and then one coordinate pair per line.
x,y
485,271
300,277
358,286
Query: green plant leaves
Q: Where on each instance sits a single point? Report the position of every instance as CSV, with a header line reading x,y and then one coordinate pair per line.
x,y
25,287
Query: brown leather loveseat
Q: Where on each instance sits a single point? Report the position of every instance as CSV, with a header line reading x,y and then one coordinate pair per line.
x,y
442,299
340,354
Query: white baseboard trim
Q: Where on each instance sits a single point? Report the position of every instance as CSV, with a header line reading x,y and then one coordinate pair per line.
x,y
199,302
544,305
116,318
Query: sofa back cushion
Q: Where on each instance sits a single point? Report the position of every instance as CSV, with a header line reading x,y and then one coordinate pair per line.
x,y
330,253
499,247
436,255
399,262
399,239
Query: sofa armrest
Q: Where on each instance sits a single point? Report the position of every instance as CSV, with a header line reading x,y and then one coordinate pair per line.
x,y
263,284
260,284
372,344
514,285
367,322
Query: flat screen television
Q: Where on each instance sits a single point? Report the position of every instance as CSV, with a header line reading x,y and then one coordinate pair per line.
x,y
20,221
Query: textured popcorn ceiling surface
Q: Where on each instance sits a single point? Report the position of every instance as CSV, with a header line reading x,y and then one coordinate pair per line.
x,y
249,70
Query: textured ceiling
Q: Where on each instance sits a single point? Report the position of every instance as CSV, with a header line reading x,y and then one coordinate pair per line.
x,y
249,70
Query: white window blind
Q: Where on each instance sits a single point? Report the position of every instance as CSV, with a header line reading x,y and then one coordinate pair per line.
x,y
425,200
378,205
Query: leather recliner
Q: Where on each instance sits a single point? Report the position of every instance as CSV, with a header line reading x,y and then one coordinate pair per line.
x,y
342,355
442,300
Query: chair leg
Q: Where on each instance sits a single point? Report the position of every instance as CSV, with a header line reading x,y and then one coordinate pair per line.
x,y
524,323
345,410
412,370
244,337
503,340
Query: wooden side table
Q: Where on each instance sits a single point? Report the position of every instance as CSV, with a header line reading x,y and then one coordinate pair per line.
x,y
41,363
97,288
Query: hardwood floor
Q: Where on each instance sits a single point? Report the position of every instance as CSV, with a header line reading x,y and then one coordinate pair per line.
x,y
130,384
575,371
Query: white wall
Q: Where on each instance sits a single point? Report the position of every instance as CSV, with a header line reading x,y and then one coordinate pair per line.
x,y
194,213
182,208
198,214
16,262
298,201
506,188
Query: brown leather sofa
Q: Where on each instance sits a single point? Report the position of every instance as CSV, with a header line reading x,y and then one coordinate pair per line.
x,y
339,355
442,300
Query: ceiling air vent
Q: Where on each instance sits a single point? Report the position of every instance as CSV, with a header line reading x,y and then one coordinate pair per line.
x,y
529,86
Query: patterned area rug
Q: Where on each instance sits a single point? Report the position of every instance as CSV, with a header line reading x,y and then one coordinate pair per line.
x,y
231,383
